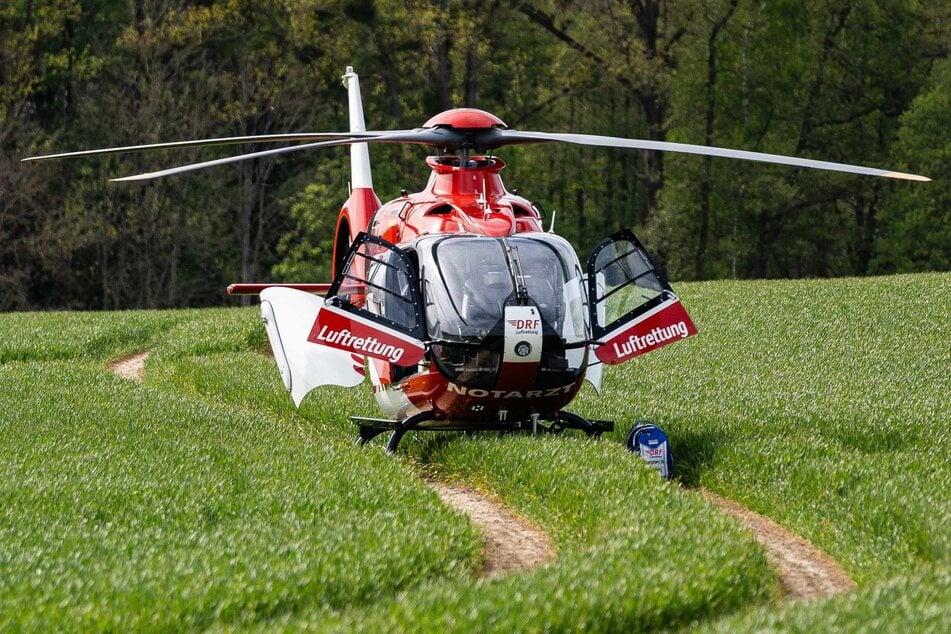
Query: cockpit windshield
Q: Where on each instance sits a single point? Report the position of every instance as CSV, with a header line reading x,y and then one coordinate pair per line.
x,y
467,282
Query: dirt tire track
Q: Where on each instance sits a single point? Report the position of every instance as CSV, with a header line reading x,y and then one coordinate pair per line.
x,y
511,543
131,366
805,572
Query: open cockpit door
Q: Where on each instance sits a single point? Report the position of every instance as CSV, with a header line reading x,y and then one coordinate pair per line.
x,y
372,307
633,309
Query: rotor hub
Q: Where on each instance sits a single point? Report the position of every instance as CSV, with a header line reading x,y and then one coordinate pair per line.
x,y
465,119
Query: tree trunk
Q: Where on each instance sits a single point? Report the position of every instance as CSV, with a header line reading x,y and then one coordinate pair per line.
x,y
706,183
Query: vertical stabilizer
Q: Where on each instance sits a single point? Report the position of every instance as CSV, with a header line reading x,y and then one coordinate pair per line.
x,y
362,204
359,154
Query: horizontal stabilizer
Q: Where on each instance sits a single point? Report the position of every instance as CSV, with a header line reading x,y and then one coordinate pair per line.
x,y
255,288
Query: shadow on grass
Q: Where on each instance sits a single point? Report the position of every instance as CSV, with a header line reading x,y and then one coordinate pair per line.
x,y
695,451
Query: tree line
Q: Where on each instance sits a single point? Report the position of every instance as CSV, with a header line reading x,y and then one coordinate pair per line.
x,y
856,81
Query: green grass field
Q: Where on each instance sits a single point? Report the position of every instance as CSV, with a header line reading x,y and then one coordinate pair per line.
x,y
202,499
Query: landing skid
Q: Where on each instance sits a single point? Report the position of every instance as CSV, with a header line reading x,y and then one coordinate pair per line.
x,y
370,428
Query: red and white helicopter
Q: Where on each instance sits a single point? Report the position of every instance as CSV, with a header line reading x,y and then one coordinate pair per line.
x,y
467,315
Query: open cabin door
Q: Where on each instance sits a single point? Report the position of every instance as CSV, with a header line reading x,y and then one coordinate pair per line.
x,y
633,309
372,307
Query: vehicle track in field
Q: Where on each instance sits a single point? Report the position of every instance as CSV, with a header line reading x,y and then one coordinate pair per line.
x,y
131,366
513,544
805,572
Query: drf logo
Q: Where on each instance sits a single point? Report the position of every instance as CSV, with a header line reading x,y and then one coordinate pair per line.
x,y
525,324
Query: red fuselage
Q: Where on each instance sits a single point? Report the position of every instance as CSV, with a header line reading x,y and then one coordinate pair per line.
x,y
457,200
464,195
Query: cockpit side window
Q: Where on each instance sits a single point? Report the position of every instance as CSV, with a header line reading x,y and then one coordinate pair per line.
x,y
388,289
626,282
379,281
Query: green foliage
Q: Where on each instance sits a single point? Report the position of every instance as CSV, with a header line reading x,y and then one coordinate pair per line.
x,y
916,228
824,79
802,79
307,250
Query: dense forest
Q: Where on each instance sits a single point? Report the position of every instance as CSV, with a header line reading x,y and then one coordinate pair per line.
x,y
857,81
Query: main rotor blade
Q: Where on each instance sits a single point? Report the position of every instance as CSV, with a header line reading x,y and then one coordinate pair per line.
x,y
419,136
449,139
235,140
514,137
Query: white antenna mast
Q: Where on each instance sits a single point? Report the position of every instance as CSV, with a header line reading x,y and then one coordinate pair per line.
x,y
483,202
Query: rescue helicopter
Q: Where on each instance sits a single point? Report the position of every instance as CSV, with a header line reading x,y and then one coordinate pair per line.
x,y
465,312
